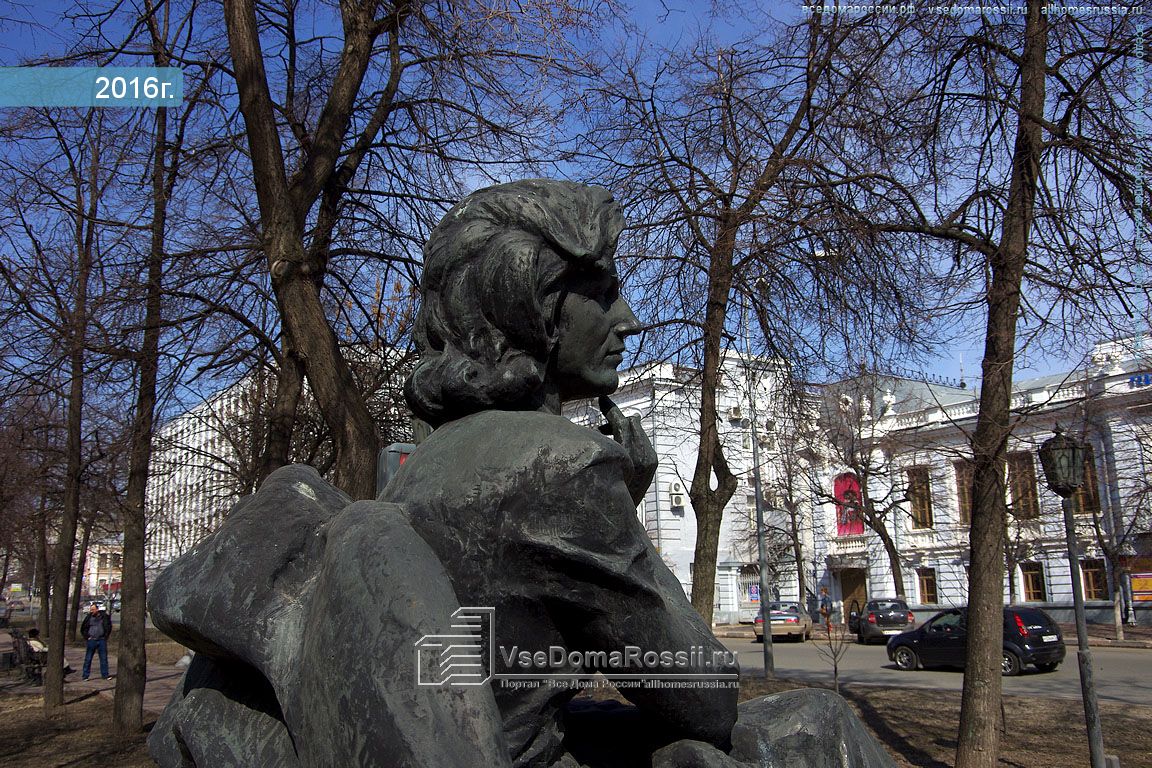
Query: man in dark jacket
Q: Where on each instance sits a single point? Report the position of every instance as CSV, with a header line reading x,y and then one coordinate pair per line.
x,y
96,628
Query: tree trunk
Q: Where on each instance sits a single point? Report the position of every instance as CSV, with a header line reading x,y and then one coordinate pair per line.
x,y
74,424
1118,573
893,560
708,503
43,569
798,554
706,550
878,523
979,737
78,579
131,659
289,384
297,280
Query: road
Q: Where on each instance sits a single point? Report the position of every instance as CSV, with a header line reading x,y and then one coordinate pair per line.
x,y
1122,674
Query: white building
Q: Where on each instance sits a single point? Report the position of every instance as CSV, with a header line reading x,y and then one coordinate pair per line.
x,y
207,459
916,472
666,397
899,442
103,567
199,464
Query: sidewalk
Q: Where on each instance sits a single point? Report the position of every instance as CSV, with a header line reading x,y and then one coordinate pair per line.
x,y
162,679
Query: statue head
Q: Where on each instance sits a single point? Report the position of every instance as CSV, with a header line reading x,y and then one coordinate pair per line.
x,y
520,298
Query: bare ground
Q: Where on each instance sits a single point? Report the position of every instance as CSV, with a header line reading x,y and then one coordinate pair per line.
x,y
918,727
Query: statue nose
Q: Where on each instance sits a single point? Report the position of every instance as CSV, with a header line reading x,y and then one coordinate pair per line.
x,y
625,323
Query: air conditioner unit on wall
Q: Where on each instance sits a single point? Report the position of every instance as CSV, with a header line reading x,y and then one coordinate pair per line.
x,y
677,499
675,488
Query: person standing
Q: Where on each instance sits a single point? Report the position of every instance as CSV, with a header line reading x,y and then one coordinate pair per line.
x,y
826,609
96,628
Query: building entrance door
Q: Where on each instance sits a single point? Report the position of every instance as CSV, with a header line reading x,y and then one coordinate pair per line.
x,y
853,587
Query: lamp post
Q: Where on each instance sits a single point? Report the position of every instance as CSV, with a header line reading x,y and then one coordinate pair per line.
x,y
1063,461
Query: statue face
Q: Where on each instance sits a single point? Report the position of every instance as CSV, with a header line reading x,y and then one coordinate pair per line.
x,y
594,321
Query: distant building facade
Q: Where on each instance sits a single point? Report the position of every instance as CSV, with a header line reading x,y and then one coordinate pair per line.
x,y
103,567
895,446
667,399
916,439
199,464
208,458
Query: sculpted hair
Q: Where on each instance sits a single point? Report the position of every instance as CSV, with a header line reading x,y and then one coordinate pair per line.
x,y
494,275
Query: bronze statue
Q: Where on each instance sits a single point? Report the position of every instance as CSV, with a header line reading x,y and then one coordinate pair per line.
x,y
306,610
530,513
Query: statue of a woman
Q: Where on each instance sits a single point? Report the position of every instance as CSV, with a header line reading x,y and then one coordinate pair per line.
x,y
530,513
306,610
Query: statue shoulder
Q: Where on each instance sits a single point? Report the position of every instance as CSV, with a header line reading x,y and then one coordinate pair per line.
x,y
517,437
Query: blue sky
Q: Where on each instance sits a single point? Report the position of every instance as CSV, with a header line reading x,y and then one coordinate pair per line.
x,y
43,27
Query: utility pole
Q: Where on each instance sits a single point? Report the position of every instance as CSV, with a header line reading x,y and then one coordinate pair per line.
x,y
765,611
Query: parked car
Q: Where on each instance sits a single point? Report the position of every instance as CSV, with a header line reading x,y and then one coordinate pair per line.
x,y
1031,637
880,619
788,620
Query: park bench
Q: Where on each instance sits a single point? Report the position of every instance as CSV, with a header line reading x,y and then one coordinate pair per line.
x,y
27,660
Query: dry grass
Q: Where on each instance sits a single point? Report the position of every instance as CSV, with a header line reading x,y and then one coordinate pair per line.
x,y
918,727
79,734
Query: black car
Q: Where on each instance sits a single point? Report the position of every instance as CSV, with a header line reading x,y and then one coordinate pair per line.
x,y
1030,637
881,618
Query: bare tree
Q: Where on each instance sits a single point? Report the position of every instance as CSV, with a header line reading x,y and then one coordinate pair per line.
x,y
414,90
832,644
53,285
707,148
1002,155
853,410
792,450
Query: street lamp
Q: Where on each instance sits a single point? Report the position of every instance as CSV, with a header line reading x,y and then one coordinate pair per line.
x,y
1063,461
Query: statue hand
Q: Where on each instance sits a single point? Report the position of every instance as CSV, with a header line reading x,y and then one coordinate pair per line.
x,y
628,431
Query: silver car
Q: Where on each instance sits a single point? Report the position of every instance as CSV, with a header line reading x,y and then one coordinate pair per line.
x,y
788,620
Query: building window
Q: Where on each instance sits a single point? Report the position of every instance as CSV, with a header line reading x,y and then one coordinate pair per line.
x,y
964,474
1088,495
920,496
1033,575
1095,579
927,580
1022,482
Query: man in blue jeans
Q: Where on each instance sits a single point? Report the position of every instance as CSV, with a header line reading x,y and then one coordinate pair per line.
x,y
95,629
